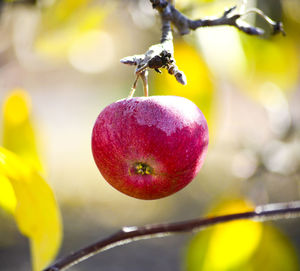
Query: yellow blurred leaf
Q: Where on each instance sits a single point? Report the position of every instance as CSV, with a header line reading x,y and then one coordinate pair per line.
x,y
199,88
223,52
61,11
36,211
275,253
225,247
191,3
240,245
274,60
291,19
18,133
23,192
18,137
64,23
8,199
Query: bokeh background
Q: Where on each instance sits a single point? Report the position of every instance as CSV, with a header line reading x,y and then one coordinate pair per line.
x,y
60,60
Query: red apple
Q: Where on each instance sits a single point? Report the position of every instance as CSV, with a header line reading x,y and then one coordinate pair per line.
x,y
150,147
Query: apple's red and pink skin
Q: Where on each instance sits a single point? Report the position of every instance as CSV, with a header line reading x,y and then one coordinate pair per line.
x,y
150,147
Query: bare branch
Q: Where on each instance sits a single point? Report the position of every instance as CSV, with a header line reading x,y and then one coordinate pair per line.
x,y
130,234
184,24
161,55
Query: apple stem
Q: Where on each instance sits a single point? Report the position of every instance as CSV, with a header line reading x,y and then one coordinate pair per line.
x,y
144,76
133,88
129,234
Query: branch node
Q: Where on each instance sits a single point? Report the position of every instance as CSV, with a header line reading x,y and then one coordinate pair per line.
x,y
278,28
228,10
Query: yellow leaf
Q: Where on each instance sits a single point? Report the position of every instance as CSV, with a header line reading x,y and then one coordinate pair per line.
x,y
274,60
61,11
8,199
227,246
18,136
36,212
64,23
240,245
18,133
191,3
291,19
242,237
275,252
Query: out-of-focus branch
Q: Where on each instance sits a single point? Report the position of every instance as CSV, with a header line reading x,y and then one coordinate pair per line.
x,y
130,234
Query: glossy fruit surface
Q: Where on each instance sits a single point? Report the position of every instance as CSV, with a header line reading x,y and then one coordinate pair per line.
x,y
150,147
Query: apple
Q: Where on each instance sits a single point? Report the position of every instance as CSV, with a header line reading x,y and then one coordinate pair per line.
x,y
150,147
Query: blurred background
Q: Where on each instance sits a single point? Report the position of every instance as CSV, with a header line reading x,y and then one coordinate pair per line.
x,y
60,60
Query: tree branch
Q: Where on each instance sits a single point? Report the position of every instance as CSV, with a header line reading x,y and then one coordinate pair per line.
x,y
184,24
161,55
130,234
158,56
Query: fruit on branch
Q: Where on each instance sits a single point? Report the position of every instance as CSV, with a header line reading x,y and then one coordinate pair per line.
x,y
150,147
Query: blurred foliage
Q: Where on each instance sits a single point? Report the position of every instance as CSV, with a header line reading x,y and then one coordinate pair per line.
x,y
22,1
270,61
61,12
275,252
187,4
18,133
240,245
8,199
291,13
64,23
23,192
200,88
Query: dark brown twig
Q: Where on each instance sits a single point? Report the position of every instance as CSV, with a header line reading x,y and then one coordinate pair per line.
x,y
130,234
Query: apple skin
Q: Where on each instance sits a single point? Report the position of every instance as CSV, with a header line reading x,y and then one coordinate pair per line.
x,y
150,147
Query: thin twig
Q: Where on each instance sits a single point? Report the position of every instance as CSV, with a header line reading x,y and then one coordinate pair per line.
x,y
133,88
277,27
144,76
130,234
